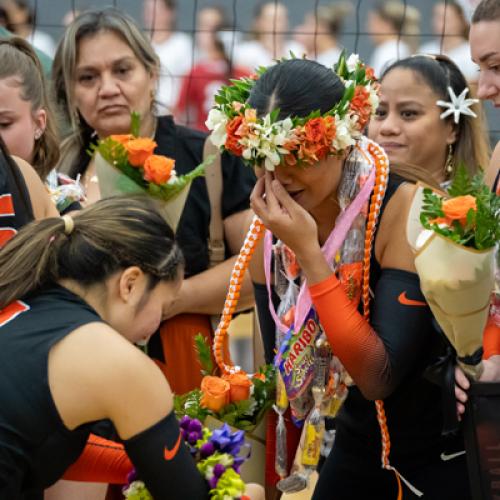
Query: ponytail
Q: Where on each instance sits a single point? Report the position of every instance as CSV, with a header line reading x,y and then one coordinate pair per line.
x,y
110,235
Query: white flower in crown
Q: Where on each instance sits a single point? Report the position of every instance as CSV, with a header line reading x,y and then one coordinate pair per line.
x,y
457,105
216,122
374,97
265,141
352,62
346,132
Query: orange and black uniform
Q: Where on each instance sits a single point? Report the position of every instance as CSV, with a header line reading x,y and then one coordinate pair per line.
x,y
15,203
36,448
387,358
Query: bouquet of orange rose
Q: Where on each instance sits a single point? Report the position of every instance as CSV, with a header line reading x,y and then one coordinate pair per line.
x,y
125,164
455,236
237,399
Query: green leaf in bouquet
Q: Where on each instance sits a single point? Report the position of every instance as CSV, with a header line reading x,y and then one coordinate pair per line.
x,y
431,208
135,124
240,414
190,404
461,184
487,232
204,354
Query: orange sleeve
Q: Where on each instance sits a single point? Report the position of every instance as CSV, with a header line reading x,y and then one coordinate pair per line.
x,y
381,354
352,339
491,339
102,461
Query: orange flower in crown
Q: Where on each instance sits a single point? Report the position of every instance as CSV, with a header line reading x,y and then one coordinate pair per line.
x,y
361,105
233,136
270,141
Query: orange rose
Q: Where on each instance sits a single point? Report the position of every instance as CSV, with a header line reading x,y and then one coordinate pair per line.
x,y
315,130
158,169
240,386
457,208
361,105
232,143
215,393
122,138
139,150
369,73
260,376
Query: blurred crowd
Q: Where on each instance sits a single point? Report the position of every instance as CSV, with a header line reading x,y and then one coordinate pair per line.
x,y
194,67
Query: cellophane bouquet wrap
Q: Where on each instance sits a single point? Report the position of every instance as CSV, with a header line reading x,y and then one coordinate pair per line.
x,y
125,164
455,236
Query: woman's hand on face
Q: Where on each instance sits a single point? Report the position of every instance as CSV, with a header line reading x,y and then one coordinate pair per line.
x,y
285,218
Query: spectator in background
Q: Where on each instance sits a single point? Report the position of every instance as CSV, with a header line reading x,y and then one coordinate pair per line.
x,y
174,49
27,123
394,28
22,23
213,69
320,30
270,37
452,30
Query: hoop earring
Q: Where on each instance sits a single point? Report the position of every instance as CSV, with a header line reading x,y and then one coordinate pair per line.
x,y
448,166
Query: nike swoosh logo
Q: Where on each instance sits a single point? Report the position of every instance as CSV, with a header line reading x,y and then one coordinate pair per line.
x,y
169,454
445,457
403,299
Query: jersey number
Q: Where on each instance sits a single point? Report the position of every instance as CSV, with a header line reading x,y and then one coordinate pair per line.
x,y
13,310
6,210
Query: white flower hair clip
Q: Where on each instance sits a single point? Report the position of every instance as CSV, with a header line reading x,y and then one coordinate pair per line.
x,y
457,105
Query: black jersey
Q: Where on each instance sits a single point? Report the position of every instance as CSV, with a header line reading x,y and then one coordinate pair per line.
x,y
15,204
35,446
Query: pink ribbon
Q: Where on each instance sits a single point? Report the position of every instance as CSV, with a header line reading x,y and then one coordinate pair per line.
x,y
329,249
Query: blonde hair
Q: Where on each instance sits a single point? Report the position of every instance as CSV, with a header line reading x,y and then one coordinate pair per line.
x,y
89,24
19,60
405,19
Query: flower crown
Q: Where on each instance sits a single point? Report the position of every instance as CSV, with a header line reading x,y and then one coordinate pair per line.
x,y
295,140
